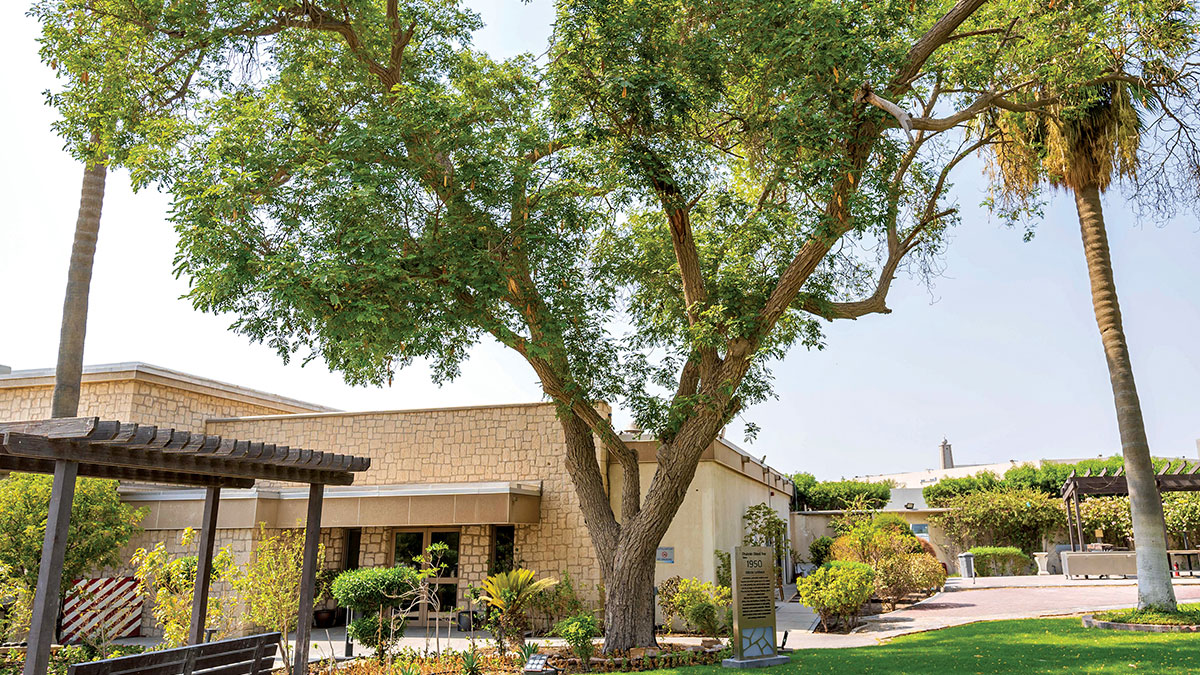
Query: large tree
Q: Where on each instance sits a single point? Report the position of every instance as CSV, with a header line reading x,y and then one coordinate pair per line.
x,y
674,197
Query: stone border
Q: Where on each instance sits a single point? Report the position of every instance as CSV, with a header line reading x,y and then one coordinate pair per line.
x,y
1089,621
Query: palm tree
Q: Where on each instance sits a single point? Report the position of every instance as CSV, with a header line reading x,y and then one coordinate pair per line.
x,y
1080,148
508,594
69,371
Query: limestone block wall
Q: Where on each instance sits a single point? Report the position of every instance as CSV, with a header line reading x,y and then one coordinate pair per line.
x,y
453,445
102,399
375,549
474,557
152,403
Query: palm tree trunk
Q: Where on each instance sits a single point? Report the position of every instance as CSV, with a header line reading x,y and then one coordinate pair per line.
x,y
1149,528
69,372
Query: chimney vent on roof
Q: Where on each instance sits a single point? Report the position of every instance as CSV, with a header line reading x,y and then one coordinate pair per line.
x,y
947,455
634,428
5,370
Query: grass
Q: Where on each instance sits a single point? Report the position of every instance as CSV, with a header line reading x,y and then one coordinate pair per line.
x,y
1023,646
1187,615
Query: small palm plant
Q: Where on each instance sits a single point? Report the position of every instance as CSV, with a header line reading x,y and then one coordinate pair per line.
x,y
508,594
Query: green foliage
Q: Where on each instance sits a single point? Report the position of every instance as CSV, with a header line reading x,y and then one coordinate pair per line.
x,y
838,495
1184,615
1015,517
898,576
819,550
557,602
471,663
803,483
377,592
892,521
837,592
368,589
679,598
940,493
579,631
668,591
996,561
705,617
270,583
509,594
724,568
762,526
169,583
100,526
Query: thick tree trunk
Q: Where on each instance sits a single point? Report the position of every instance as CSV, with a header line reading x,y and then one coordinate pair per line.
x,y
1149,529
629,599
69,372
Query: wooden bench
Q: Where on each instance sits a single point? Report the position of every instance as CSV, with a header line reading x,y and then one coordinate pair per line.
x,y
237,656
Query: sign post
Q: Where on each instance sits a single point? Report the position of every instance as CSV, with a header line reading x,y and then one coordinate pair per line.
x,y
754,609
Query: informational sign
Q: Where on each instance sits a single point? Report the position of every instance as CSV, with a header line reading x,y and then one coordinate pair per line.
x,y
754,604
665,554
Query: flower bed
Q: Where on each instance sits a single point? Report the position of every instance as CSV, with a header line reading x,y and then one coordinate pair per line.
x,y
451,662
1186,619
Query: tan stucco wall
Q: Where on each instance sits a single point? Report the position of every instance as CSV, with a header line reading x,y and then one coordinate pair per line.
x,y
710,517
454,445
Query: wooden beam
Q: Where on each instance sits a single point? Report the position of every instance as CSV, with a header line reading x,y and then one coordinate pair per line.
x,y
34,465
117,455
49,584
208,538
308,577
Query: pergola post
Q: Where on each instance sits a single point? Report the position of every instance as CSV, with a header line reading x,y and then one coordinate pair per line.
x,y
54,548
308,577
208,537
1071,525
1078,521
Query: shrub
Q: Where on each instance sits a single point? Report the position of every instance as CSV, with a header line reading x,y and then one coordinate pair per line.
x,y
836,495
819,550
579,631
555,603
724,568
508,594
894,522
170,584
996,561
1011,517
704,616
869,544
837,591
898,576
376,592
667,592
940,493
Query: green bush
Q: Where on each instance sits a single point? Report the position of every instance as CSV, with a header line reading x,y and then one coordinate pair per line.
x,y
366,589
818,550
892,521
705,617
836,495
997,561
837,591
898,576
376,591
579,631
1003,517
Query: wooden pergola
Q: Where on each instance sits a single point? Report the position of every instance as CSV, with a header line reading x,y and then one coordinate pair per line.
x,y
1115,483
89,446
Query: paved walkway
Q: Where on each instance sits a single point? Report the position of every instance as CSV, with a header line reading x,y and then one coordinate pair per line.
x,y
960,605
1044,580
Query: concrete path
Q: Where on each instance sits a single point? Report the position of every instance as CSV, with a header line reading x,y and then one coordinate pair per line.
x,y
965,605
1041,581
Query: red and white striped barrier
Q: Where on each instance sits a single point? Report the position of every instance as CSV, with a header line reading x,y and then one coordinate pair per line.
x,y
110,605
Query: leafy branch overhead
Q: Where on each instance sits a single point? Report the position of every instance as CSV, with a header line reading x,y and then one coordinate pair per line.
x,y
672,198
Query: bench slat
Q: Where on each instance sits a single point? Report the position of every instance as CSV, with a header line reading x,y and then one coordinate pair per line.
x,y
247,653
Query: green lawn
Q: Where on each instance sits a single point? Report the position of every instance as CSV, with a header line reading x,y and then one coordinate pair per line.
x,y
1025,646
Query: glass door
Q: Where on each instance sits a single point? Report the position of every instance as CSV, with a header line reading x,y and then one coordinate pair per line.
x,y
410,547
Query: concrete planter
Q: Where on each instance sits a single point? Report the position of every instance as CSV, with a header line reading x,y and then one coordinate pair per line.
x,y
1090,622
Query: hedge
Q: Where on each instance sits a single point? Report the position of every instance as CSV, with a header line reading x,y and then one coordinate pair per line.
x,y
998,561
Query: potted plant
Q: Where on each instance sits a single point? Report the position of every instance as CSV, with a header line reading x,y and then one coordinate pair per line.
x,y
325,616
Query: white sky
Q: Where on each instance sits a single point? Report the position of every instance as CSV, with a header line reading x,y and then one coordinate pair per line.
x,y
1002,356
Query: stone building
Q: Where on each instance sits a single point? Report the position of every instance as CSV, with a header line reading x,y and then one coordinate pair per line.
x,y
488,481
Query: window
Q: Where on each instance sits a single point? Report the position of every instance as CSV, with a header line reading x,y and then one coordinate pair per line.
x,y
920,528
504,549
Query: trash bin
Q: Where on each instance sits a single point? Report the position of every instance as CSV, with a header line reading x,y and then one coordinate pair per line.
x,y
966,565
